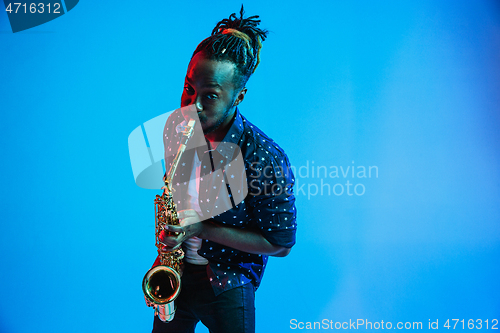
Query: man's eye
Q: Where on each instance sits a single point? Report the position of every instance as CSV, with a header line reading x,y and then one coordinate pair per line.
x,y
211,96
188,89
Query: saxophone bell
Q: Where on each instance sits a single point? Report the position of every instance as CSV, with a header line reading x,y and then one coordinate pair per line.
x,y
161,286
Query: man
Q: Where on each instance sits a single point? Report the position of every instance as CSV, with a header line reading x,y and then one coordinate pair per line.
x,y
234,189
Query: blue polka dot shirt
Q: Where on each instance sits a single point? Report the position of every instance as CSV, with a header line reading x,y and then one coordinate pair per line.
x,y
247,183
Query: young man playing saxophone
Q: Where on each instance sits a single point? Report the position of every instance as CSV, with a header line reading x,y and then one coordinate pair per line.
x,y
226,236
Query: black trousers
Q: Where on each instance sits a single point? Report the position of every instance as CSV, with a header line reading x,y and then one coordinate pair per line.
x,y
233,311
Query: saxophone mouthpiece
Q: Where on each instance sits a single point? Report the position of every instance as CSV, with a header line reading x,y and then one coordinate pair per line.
x,y
189,112
191,123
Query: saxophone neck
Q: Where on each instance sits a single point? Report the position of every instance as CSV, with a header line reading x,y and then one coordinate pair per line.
x,y
187,133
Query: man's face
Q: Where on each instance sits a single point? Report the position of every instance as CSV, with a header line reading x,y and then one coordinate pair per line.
x,y
209,86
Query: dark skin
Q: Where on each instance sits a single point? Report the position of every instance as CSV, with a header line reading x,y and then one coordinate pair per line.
x,y
209,85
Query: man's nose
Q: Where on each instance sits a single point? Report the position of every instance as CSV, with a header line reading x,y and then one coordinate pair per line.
x,y
198,104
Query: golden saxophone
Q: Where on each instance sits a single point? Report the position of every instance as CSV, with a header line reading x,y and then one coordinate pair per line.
x,y
162,284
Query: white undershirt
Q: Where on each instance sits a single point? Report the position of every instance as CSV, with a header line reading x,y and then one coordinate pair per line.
x,y
193,244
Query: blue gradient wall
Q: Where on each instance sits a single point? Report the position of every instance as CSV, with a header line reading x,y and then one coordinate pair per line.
x,y
409,89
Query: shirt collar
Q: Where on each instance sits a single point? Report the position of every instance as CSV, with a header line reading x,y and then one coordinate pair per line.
x,y
229,144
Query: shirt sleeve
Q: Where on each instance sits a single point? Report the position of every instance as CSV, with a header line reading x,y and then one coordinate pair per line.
x,y
272,200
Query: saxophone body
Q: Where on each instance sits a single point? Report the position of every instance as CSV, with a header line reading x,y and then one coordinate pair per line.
x,y
162,284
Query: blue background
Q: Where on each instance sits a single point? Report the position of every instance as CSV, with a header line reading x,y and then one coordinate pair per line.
x,y
409,87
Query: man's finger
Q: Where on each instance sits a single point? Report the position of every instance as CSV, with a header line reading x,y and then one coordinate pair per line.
x,y
171,247
174,228
187,213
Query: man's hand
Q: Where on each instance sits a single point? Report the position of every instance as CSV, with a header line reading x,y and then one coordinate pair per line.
x,y
250,241
190,226
149,303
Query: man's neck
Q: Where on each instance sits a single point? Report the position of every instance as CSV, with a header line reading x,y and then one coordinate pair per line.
x,y
218,135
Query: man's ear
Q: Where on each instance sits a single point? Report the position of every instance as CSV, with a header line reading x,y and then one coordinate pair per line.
x,y
240,97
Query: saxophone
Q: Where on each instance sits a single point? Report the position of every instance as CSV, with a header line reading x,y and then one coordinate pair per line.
x,y
162,284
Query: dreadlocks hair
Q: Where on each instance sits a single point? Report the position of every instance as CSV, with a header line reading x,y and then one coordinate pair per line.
x,y
238,40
